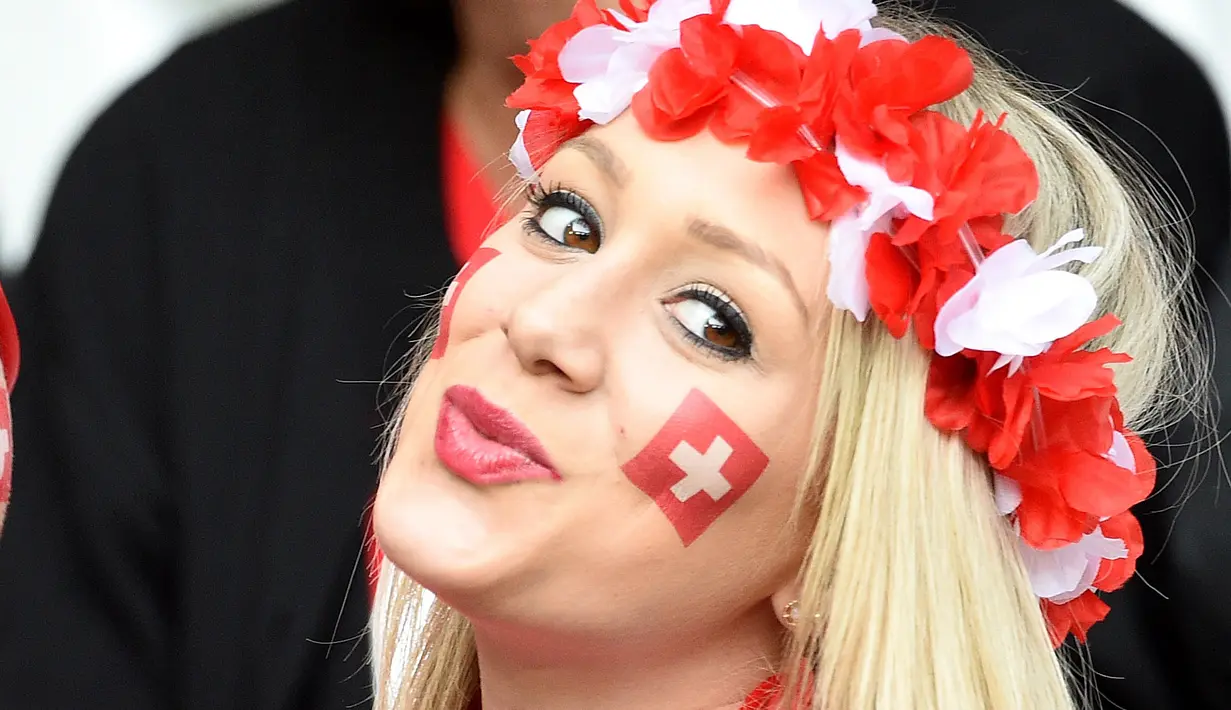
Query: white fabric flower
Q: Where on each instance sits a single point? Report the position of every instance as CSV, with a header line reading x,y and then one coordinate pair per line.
x,y
1007,493
801,20
1066,573
848,245
1017,304
610,65
518,154
850,234
1120,453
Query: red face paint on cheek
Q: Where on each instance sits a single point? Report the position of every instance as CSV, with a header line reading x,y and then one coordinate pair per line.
x,y
697,466
478,261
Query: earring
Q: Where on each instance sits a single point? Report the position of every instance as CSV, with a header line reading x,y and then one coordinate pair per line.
x,y
790,614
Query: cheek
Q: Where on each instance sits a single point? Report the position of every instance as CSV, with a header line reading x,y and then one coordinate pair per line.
x,y
697,466
480,259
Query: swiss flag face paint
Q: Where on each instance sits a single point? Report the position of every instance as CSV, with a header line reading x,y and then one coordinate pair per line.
x,y
697,466
478,261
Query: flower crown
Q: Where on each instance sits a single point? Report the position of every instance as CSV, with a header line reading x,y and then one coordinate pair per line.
x,y
916,204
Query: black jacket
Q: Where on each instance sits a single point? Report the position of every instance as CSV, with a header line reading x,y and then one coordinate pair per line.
x,y
228,253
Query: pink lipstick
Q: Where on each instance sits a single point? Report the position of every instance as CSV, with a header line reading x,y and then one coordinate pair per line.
x,y
487,445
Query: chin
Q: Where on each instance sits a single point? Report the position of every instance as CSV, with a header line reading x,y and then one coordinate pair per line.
x,y
438,532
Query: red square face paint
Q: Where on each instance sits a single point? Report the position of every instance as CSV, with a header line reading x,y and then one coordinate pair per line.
x,y
478,261
697,466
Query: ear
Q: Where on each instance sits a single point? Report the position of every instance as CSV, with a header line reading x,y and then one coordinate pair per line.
x,y
786,604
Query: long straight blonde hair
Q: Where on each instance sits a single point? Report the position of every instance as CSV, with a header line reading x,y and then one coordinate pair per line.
x,y
913,592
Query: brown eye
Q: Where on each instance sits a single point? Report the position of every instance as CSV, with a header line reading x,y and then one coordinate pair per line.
x,y
721,334
568,225
579,236
712,322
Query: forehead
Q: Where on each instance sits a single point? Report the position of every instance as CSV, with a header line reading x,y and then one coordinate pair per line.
x,y
700,161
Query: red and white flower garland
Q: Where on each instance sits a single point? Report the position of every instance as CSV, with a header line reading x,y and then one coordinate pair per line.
x,y
916,205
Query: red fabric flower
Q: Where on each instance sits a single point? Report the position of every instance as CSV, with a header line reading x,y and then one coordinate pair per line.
x,y
949,401
891,82
826,81
774,66
1147,467
893,282
826,192
1090,485
1006,404
687,83
1044,520
1113,574
973,173
1066,373
803,90
909,284
1076,617
995,408
1077,425
992,408
545,87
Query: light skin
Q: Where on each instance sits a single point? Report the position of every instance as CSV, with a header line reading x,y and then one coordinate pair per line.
x,y
580,591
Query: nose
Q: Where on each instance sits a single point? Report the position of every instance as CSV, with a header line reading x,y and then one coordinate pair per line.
x,y
556,332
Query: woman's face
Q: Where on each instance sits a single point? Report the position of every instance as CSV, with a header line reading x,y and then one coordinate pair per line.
x,y
609,437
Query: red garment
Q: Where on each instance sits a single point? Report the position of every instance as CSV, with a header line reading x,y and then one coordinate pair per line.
x,y
470,213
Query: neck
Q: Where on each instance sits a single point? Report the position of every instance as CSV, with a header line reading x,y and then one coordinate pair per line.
x,y
522,670
474,100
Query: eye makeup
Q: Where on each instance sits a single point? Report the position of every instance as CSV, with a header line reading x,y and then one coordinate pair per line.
x,y
711,321
563,217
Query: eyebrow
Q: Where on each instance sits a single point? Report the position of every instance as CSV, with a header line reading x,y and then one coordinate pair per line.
x,y
606,161
720,237
714,235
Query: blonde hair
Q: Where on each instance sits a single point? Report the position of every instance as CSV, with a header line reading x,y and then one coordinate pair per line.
x,y
913,592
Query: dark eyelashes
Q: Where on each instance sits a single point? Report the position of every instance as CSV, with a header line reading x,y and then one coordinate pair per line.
x,y
729,314
559,196
542,198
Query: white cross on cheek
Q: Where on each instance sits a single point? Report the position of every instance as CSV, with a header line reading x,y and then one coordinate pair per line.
x,y
4,442
702,472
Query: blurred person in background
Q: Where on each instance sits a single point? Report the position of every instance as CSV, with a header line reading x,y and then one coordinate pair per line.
x,y
228,255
